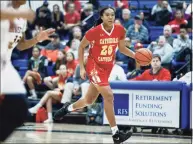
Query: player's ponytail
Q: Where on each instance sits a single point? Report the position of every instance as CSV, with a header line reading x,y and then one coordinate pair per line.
x,y
99,21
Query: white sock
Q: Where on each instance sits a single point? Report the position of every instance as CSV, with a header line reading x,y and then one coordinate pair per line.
x,y
70,108
114,129
33,92
50,116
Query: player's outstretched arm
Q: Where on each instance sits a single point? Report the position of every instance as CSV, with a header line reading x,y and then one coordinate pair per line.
x,y
123,49
41,36
84,43
10,14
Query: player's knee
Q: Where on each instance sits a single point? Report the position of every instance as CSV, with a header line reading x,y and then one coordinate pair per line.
x,y
108,97
29,78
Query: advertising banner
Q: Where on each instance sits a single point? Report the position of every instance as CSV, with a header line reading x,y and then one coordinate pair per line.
x,y
146,108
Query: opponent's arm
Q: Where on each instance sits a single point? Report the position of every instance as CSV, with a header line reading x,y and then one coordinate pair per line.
x,y
41,36
25,44
123,49
10,14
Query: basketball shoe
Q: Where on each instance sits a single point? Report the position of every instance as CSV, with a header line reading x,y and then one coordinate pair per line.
x,y
62,112
120,137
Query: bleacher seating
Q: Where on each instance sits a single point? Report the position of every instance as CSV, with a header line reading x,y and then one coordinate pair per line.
x,y
21,65
155,32
106,3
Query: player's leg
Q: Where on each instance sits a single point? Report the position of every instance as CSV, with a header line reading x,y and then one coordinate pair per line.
x,y
13,113
90,97
108,100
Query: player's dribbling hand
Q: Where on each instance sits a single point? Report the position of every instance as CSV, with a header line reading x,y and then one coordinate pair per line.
x,y
83,73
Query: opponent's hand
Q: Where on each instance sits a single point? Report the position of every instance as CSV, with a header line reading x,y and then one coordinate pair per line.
x,y
44,34
83,73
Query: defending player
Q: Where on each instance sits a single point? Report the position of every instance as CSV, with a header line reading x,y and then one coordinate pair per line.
x,y
13,106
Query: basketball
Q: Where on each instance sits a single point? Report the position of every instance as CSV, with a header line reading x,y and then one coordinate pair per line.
x,y
143,56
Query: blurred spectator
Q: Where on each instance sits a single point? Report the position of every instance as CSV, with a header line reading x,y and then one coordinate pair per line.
x,y
95,4
95,114
187,78
71,63
76,3
190,24
36,71
178,20
51,81
87,17
57,19
119,5
117,74
138,46
71,18
137,32
163,49
43,17
74,47
182,45
189,9
87,11
79,86
159,7
75,33
156,73
126,18
144,22
51,50
118,22
52,96
162,17
167,33
121,58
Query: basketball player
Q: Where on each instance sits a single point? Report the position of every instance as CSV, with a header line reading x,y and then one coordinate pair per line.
x,y
17,35
13,106
18,28
103,40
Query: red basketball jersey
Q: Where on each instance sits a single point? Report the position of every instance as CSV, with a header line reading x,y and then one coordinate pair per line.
x,y
103,44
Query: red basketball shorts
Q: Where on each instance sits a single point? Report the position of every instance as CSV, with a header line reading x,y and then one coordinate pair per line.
x,y
97,75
